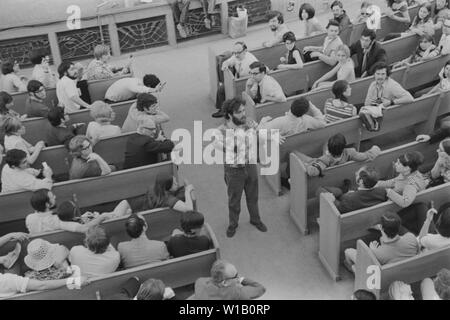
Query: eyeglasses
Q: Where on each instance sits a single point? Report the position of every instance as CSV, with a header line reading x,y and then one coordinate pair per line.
x,y
151,129
42,89
255,73
86,147
235,277
365,14
238,52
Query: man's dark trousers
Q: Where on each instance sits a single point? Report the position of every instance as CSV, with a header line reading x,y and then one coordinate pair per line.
x,y
241,179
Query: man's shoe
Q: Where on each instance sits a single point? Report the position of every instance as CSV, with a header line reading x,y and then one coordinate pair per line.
x,y
181,31
231,231
12,256
260,226
218,114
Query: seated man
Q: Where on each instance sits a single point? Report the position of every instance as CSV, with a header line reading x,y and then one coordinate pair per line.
x,y
128,88
146,107
385,91
302,117
34,105
85,162
240,62
340,15
69,95
335,154
276,24
365,196
58,132
146,145
327,52
140,250
393,247
368,52
98,257
190,240
225,284
262,87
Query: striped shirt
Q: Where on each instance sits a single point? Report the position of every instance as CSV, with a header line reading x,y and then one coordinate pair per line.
x,y
336,110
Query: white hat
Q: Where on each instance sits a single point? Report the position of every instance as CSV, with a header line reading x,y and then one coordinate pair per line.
x,y
41,254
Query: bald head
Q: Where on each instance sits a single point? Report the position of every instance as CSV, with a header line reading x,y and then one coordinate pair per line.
x,y
223,270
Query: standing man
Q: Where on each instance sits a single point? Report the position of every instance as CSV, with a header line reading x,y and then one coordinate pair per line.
x,y
340,15
276,24
69,96
239,177
368,52
262,87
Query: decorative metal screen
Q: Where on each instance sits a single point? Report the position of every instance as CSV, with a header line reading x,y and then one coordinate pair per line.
x,y
256,9
195,25
79,44
142,34
19,49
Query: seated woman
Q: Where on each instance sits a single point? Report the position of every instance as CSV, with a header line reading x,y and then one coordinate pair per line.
x,y
339,108
98,257
101,128
398,11
444,84
67,216
402,190
140,250
311,25
426,50
293,58
14,130
34,105
363,14
85,162
6,104
58,132
99,68
336,154
437,289
18,176
189,241
42,71
440,173
46,260
422,24
344,70
166,193
146,106
12,83
441,12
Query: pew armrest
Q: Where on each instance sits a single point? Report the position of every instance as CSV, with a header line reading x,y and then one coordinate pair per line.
x,y
367,269
298,197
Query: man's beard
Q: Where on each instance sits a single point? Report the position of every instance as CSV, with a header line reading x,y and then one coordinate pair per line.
x,y
239,122
273,28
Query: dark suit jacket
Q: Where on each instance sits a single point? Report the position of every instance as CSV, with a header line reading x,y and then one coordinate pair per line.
x,y
376,54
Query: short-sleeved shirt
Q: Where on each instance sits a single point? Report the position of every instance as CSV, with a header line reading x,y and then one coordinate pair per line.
x,y
81,168
336,110
434,241
11,284
40,222
14,179
16,142
98,131
34,108
401,247
65,89
181,245
142,251
94,264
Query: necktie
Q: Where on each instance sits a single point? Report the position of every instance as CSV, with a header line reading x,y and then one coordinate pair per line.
x,y
364,62
258,95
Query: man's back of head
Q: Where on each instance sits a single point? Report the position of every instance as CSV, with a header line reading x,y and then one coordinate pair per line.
x,y
299,107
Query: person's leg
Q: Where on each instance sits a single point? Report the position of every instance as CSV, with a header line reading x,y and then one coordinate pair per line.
x,y
220,98
175,10
235,180
184,7
251,193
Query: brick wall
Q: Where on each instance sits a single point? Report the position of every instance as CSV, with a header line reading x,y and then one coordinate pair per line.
x,y
256,9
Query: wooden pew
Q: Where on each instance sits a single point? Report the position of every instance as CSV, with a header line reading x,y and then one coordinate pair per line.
x,y
396,49
339,231
424,265
34,126
177,272
311,142
303,187
90,191
317,97
97,90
